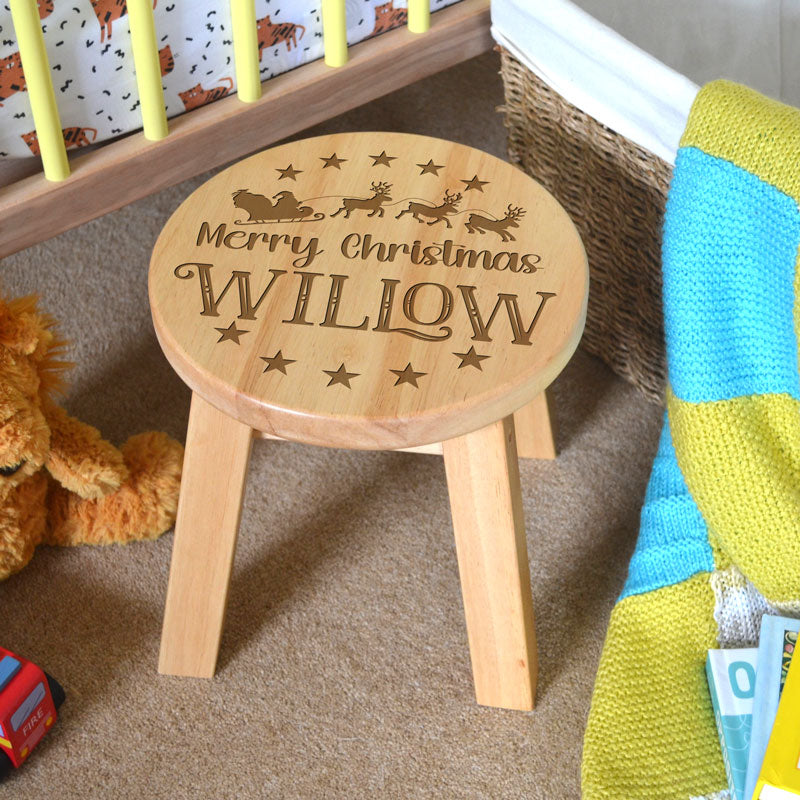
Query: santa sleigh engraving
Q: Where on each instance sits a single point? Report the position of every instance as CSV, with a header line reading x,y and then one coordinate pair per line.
x,y
262,210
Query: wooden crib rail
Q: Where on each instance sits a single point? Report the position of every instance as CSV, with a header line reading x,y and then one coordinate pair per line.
x,y
35,209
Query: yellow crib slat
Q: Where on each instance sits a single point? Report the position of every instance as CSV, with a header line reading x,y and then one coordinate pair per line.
x,y
419,16
334,32
148,69
27,25
245,50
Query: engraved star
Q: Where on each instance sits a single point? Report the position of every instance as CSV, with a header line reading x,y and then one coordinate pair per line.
x,y
382,159
277,362
471,359
333,161
430,167
230,334
341,376
474,184
407,375
289,172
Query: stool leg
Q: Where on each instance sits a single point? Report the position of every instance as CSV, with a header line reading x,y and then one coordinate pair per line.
x,y
214,472
536,436
485,498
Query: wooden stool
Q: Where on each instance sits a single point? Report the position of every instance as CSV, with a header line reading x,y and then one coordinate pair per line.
x,y
369,291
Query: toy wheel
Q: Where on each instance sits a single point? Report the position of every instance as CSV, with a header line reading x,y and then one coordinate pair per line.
x,y
56,690
5,765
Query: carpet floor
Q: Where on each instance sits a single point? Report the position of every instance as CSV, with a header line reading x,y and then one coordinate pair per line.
x,y
344,670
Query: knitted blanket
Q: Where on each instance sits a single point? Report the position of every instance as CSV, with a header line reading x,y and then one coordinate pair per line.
x,y
719,543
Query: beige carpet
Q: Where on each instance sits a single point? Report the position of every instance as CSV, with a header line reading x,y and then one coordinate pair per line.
x,y
344,670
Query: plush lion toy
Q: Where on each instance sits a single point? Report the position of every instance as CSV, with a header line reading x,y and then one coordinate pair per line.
x,y
60,482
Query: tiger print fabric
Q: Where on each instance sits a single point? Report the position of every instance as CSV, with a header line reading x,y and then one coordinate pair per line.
x,y
89,47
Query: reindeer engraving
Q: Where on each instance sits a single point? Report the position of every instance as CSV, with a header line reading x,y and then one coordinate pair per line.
x,y
260,209
372,204
481,224
437,213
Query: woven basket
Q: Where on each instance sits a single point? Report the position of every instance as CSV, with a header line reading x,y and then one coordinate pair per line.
x,y
615,192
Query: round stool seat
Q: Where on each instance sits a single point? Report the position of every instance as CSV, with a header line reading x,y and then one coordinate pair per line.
x,y
369,290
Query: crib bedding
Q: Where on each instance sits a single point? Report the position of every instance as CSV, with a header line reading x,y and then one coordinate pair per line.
x,y
89,48
636,67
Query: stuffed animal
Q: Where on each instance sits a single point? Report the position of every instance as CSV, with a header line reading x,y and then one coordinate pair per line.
x,y
60,482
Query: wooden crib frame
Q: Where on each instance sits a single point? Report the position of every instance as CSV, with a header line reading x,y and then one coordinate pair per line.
x,y
133,167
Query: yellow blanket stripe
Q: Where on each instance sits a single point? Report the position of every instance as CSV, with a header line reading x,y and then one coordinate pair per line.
x,y
730,452
727,121
652,645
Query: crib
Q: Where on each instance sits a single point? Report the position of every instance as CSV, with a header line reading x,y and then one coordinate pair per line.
x,y
597,94
340,68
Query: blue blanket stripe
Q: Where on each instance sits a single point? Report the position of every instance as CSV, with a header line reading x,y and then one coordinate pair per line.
x,y
733,336
673,538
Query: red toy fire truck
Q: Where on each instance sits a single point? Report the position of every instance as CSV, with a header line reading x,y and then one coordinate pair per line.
x,y
29,698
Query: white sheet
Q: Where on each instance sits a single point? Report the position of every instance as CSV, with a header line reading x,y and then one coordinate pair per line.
x,y
636,66
93,71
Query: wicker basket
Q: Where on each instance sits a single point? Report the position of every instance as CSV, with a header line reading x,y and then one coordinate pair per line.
x,y
615,192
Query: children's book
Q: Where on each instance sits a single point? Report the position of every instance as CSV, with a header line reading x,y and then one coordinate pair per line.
x,y
775,649
779,777
732,683
771,793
